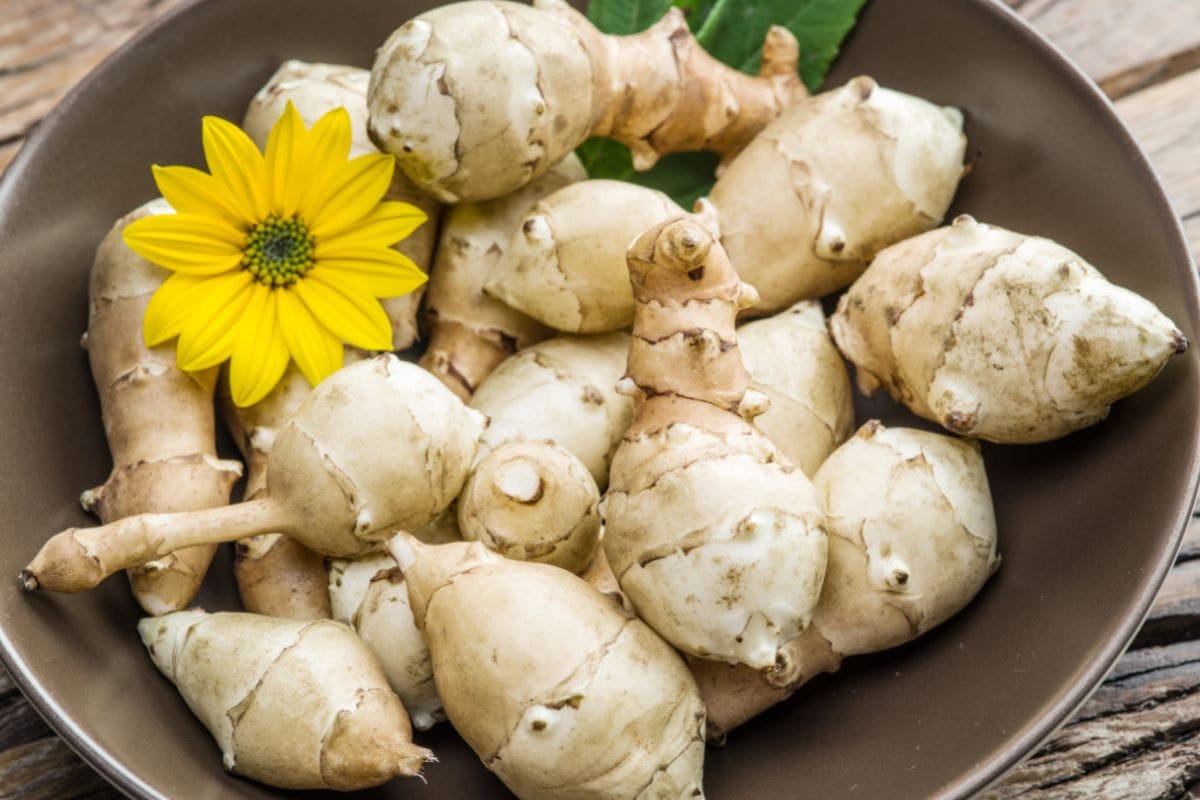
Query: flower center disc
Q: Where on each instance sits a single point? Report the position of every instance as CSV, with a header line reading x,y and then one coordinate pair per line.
x,y
278,251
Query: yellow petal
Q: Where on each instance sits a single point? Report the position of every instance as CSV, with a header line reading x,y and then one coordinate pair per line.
x,y
185,243
326,147
378,271
169,308
318,353
351,315
190,191
358,186
207,338
234,160
385,225
259,354
285,150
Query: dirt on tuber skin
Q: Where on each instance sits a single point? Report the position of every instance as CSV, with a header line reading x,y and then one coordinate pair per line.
x,y
294,704
565,700
315,89
793,361
912,539
998,335
378,446
477,99
715,538
470,333
158,420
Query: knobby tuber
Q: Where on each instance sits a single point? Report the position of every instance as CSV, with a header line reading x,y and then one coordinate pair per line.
x,y
794,363
563,390
378,446
315,89
559,692
565,265
294,704
158,420
533,501
999,335
800,212
470,333
912,539
715,538
477,99
369,594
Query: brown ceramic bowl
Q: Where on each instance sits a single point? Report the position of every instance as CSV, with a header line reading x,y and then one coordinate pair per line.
x,y
1089,525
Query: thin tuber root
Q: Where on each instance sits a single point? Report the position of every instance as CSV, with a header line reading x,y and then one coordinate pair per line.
x,y
379,445
715,538
477,99
158,421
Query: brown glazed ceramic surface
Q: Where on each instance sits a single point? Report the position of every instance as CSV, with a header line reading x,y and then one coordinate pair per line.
x,y
1088,525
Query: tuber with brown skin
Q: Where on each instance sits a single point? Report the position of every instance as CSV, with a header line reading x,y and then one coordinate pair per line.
x,y
559,692
315,89
912,539
157,418
377,446
470,333
715,538
998,335
293,704
477,99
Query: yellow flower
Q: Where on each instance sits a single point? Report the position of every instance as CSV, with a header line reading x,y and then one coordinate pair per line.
x,y
278,255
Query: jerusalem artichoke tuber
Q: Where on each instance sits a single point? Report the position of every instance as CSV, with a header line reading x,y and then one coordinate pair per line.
x,y
315,89
999,335
912,539
377,446
158,420
470,333
298,705
477,99
715,538
559,692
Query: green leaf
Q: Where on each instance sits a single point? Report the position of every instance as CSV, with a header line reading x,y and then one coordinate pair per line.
x,y
623,17
734,32
685,177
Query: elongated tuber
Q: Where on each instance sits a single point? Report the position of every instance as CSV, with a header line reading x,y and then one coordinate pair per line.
x,y
565,265
715,538
563,390
298,705
158,420
794,363
559,692
470,333
369,594
477,99
377,446
999,335
533,501
315,89
912,539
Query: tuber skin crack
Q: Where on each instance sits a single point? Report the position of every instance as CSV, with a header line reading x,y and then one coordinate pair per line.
x,y
477,99
730,574
347,470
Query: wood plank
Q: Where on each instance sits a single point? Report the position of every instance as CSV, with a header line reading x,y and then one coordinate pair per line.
x,y
1121,49
46,769
1137,738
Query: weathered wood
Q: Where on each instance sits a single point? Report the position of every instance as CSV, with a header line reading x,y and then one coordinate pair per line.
x,y
1122,47
46,47
46,769
1137,738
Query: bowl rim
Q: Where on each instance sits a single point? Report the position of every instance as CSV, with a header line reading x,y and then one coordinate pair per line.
x,y
985,773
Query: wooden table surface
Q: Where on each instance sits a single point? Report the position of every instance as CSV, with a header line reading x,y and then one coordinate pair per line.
x,y
1139,735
